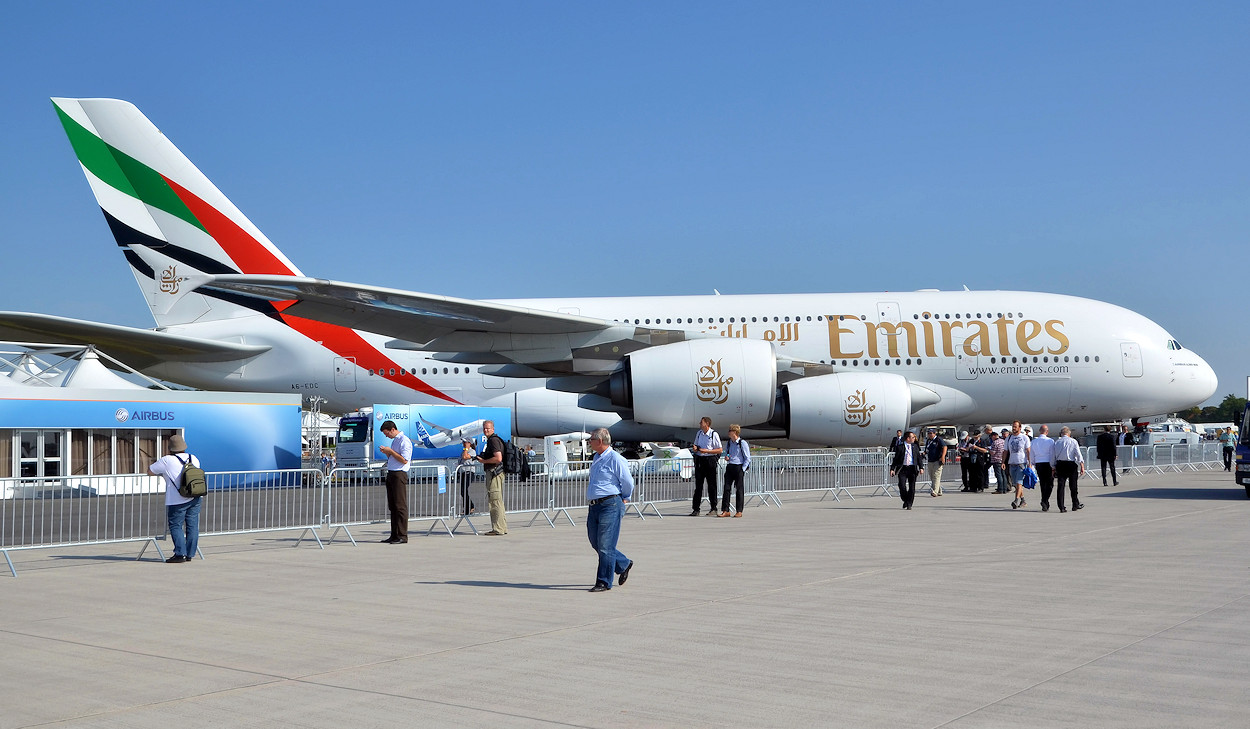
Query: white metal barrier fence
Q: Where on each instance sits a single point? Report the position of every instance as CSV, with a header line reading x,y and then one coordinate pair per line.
x,y
67,511
38,513
242,502
1140,460
357,497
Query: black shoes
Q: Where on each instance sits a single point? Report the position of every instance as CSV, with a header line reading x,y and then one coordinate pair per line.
x,y
1062,510
1045,507
176,559
625,573
695,512
388,540
600,587
1078,507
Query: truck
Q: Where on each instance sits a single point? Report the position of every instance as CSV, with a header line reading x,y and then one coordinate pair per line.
x,y
355,441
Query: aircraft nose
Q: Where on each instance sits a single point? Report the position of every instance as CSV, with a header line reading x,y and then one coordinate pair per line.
x,y
1204,383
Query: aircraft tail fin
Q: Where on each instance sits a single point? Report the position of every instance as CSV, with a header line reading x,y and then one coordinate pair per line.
x,y
423,436
172,224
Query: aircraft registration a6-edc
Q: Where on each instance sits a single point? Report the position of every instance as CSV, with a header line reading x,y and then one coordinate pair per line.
x,y
826,369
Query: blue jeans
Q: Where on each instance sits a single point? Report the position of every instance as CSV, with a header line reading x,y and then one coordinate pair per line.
x,y
603,527
184,526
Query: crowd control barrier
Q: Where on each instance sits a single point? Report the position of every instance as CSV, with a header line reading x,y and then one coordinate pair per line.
x,y
39,513
244,502
69,511
356,497
1140,460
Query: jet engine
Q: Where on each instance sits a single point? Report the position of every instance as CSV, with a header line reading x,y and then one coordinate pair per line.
x,y
844,409
728,380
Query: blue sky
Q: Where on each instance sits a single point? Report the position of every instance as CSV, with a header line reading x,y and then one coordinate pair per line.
x,y
541,149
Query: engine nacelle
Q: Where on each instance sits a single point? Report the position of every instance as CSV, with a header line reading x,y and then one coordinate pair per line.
x,y
728,380
844,409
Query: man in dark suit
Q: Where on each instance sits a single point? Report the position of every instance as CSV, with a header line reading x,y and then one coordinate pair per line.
x,y
1106,449
908,458
898,438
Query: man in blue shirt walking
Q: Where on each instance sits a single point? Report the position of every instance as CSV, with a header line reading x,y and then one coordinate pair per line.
x,y
610,487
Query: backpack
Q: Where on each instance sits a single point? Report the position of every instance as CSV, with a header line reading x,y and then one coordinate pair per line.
x,y
513,458
192,483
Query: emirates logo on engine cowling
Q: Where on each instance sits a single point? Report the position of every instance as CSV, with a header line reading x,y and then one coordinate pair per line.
x,y
858,411
713,386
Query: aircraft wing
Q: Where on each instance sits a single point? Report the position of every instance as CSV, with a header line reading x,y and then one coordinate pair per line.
x,y
519,341
139,348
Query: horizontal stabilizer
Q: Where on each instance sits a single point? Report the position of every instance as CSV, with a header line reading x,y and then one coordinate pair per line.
x,y
138,348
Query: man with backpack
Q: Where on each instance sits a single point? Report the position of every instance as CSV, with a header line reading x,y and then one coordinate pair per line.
x,y
491,459
182,512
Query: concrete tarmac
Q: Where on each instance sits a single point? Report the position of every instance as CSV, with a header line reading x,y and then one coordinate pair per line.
x,y
1133,612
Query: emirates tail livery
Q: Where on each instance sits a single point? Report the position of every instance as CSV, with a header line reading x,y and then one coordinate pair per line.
x,y
233,312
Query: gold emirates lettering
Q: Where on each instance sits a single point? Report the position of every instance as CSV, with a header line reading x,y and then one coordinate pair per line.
x,y
849,336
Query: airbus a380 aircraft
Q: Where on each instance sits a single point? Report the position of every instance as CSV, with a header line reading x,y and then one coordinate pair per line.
x,y
233,312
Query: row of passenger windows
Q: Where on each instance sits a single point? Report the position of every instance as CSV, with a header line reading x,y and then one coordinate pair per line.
x,y
424,370
718,320
841,317
1008,315
993,360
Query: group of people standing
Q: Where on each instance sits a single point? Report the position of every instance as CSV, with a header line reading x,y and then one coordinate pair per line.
x,y
1012,454
707,452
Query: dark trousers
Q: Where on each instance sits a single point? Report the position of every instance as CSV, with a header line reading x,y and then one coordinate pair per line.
x,y
974,475
1105,463
1228,457
983,470
965,472
397,503
704,470
734,477
907,483
1067,471
1046,481
466,479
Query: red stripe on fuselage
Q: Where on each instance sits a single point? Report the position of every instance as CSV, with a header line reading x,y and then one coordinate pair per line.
x,y
252,257
347,343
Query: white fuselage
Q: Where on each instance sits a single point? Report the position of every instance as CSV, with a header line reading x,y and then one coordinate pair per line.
x,y
1017,355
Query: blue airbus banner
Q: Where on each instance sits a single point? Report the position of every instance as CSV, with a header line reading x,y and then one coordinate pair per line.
x,y
438,430
227,431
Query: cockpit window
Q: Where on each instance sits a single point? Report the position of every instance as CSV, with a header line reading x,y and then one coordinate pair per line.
x,y
1174,345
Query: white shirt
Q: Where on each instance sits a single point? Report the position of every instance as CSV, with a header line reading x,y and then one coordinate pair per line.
x,y
1067,449
171,468
1043,449
403,446
708,441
